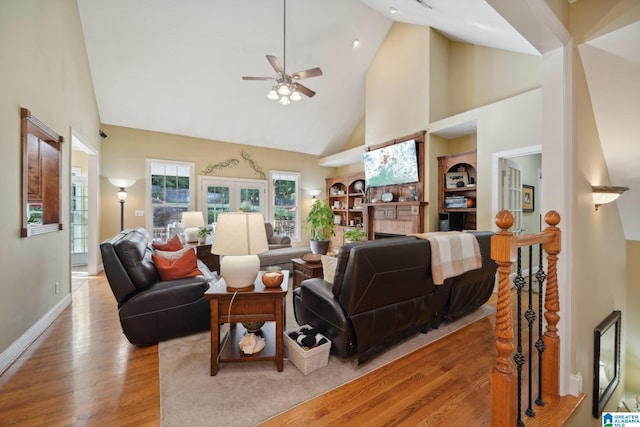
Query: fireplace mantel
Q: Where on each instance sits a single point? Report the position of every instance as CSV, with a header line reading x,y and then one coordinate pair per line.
x,y
394,218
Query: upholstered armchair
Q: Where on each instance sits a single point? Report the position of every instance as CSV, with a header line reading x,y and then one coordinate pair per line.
x,y
276,241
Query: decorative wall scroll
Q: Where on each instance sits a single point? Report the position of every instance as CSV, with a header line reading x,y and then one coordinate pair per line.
x,y
253,164
213,167
41,176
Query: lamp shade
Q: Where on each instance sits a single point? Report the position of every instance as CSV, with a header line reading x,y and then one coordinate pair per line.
x,y
121,182
239,238
240,233
193,219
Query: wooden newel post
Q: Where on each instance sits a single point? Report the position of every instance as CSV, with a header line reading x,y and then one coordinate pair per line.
x,y
551,355
503,381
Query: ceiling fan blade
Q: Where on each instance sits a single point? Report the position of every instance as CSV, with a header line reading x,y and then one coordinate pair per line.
x,y
256,78
312,72
304,90
275,64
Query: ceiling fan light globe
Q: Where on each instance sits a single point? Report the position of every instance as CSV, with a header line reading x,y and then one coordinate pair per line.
x,y
273,95
295,96
284,90
284,100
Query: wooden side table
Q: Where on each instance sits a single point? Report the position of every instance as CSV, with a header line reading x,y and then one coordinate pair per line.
x,y
258,304
303,270
203,252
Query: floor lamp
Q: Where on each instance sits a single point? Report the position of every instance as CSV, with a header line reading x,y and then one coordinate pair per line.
x,y
122,184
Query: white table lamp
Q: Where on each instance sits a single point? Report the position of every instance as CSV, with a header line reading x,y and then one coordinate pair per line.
x,y
239,238
192,222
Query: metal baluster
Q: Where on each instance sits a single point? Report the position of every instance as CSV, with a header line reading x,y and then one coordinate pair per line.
x,y
530,315
518,357
541,276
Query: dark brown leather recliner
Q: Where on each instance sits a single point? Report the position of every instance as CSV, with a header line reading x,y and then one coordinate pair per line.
x,y
151,310
383,292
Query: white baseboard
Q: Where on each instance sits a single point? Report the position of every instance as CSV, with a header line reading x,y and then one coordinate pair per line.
x,y
21,344
575,384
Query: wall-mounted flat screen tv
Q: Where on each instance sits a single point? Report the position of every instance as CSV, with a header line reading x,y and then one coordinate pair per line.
x,y
391,165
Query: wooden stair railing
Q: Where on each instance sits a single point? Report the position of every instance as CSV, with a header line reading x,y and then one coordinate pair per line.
x,y
504,250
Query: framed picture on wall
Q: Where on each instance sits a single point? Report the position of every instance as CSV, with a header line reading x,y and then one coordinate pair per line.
x,y
528,198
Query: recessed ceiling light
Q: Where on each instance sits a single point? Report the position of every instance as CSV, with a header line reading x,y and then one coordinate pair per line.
x,y
356,43
393,10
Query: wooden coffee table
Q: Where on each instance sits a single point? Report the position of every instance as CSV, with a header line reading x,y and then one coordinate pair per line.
x,y
258,304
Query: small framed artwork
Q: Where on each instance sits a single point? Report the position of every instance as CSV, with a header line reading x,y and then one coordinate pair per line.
x,y
357,203
528,198
456,179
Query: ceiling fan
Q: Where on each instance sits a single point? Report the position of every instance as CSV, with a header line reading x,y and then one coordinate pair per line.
x,y
287,87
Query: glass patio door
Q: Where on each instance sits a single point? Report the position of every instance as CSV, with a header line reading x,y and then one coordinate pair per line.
x,y
79,220
218,195
512,192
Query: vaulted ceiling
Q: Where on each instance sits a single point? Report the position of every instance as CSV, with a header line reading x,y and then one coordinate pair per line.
x,y
175,66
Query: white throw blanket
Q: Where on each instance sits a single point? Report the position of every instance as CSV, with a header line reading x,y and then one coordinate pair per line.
x,y
452,253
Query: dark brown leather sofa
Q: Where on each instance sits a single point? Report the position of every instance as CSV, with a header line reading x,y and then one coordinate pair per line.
x,y
151,310
383,292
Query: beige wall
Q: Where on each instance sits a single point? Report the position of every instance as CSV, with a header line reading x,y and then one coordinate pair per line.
x,y
125,150
45,69
80,159
598,248
397,85
481,75
439,76
357,137
506,125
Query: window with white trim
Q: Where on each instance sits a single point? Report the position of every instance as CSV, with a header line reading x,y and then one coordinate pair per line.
x,y
169,193
285,203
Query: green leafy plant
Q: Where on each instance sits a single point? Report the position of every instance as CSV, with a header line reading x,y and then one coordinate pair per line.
x,y
204,232
355,234
319,222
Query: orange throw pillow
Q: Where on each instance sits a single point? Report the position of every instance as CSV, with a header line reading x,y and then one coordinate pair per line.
x,y
185,266
174,244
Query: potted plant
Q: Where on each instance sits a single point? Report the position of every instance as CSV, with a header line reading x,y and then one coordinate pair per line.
x,y
320,226
356,234
203,233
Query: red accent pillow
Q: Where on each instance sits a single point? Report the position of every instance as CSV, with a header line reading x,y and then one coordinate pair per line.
x,y
174,244
185,266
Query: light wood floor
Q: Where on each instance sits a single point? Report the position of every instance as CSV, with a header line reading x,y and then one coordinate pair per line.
x,y
82,371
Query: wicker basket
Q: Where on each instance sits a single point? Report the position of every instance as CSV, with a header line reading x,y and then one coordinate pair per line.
x,y
306,361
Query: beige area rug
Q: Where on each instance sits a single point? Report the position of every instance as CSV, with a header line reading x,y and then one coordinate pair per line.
x,y
245,394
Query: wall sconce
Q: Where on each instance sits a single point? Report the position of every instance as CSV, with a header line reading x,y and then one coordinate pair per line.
x,y
314,193
603,194
122,184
